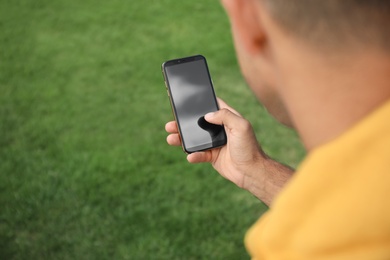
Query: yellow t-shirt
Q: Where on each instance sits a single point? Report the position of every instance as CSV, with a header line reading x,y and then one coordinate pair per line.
x,y
337,206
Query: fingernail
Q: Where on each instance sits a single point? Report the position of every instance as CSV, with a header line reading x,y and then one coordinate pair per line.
x,y
209,115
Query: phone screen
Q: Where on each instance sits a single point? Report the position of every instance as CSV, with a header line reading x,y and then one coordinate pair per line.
x,y
192,96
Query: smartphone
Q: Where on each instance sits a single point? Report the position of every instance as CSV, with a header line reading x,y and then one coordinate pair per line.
x,y
192,95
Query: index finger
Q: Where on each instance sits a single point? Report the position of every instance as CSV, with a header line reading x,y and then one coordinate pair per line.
x,y
222,104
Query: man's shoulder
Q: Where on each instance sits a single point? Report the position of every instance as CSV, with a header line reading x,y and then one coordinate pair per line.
x,y
337,200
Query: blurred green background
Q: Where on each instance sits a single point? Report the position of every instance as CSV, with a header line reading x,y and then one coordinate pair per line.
x,y
85,172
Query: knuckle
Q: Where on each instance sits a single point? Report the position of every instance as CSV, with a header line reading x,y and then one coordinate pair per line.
x,y
245,125
224,112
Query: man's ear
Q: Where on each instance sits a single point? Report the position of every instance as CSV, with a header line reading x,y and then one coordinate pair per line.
x,y
246,24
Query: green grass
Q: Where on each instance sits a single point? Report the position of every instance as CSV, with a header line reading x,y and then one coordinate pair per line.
x,y
85,172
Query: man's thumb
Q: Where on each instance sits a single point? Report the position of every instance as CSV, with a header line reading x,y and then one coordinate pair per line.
x,y
223,117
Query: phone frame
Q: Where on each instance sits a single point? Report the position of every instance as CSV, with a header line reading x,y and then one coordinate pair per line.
x,y
203,147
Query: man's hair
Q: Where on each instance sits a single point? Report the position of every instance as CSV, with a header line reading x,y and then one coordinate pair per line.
x,y
335,23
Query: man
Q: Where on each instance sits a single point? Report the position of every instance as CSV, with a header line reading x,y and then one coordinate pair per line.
x,y
322,67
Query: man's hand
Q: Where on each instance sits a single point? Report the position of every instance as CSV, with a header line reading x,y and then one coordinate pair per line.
x,y
241,160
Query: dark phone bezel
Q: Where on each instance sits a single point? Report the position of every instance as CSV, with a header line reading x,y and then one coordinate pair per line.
x,y
173,62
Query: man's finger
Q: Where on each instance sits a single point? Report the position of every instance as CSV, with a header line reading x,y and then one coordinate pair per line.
x,y
199,157
227,118
222,104
174,140
171,127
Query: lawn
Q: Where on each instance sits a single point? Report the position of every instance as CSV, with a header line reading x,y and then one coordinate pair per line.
x,y
85,172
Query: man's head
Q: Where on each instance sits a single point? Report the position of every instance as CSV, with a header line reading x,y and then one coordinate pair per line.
x,y
334,24
270,34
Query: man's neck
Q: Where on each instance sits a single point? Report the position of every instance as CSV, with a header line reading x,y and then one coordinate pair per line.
x,y
326,98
